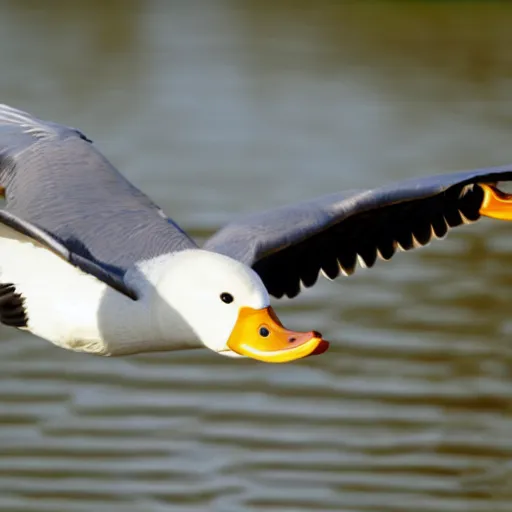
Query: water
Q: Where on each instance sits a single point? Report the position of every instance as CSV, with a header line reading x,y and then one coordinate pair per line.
x,y
219,108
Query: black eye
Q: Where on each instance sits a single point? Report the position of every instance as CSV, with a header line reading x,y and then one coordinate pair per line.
x,y
226,297
264,332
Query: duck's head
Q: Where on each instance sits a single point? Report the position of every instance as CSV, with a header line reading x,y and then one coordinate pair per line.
x,y
227,306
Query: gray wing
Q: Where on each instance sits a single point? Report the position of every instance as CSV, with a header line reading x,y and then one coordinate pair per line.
x,y
292,244
55,179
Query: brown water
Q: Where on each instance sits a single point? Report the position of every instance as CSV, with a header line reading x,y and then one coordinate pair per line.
x,y
216,108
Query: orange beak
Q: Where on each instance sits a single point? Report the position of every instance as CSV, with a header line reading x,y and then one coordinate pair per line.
x,y
259,334
496,204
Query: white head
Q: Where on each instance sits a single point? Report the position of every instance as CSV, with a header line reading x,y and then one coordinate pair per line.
x,y
208,289
224,302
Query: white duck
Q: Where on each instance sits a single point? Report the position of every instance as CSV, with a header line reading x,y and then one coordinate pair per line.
x,y
90,264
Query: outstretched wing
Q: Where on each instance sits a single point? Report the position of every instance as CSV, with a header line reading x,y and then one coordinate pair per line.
x,y
291,244
55,179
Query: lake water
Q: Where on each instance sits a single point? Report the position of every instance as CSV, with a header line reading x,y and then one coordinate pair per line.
x,y
218,108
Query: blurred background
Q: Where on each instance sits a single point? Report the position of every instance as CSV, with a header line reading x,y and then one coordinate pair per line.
x,y
222,107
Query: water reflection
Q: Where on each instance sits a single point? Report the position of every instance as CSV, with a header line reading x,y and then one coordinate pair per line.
x,y
219,108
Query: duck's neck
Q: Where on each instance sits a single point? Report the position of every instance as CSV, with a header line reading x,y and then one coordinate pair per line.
x,y
132,327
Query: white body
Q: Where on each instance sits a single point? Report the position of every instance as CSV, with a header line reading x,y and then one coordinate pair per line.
x,y
178,305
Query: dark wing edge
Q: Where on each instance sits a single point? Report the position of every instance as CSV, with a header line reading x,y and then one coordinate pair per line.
x,y
289,246
48,241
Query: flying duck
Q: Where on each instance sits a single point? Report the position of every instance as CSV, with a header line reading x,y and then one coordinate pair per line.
x,y
91,264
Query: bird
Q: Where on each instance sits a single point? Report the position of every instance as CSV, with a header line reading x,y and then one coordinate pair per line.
x,y
89,263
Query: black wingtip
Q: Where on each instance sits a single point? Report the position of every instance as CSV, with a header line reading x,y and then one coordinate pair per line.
x,y
12,306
